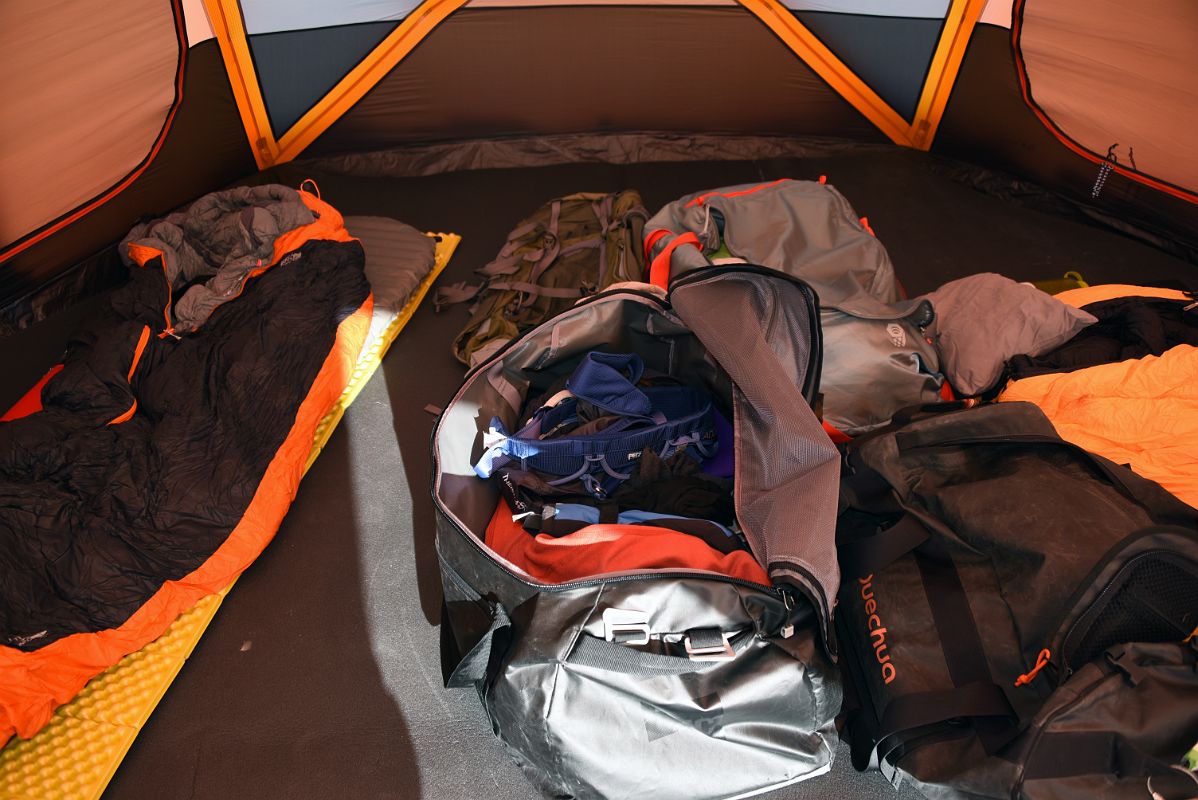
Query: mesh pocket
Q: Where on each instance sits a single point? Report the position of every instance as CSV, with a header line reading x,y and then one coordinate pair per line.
x,y
1152,598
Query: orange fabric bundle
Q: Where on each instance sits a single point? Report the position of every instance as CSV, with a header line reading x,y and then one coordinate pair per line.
x,y
603,548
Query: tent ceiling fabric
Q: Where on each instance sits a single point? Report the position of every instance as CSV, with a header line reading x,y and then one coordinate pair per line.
x,y
483,73
891,54
297,68
911,58
1100,75
104,93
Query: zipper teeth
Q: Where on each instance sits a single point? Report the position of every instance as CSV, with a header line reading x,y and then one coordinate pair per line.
x,y
1094,604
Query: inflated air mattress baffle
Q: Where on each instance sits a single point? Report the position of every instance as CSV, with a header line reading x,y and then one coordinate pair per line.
x,y
76,755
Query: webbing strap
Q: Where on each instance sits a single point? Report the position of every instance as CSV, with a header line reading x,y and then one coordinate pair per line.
x,y
591,651
963,649
475,665
659,270
455,293
866,490
910,712
530,289
602,209
867,555
553,244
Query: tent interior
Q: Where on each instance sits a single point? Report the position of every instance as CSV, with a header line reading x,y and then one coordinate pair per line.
x,y
1027,139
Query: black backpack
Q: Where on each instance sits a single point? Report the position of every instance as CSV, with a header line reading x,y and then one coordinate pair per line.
x,y
994,576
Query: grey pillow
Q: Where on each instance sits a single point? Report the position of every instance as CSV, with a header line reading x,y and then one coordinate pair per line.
x,y
397,257
984,320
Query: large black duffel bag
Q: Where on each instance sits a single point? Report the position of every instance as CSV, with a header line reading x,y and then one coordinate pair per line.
x,y
658,683
1013,612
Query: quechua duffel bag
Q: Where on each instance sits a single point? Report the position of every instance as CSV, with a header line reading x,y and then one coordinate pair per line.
x,y
663,683
994,574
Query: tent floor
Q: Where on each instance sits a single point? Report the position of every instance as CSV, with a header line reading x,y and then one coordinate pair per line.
x,y
320,676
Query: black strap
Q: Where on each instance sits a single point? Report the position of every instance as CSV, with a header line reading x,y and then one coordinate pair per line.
x,y
963,649
866,555
866,490
476,665
954,620
591,651
908,713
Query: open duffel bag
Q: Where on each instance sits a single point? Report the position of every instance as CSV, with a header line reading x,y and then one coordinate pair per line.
x,y
662,683
1013,612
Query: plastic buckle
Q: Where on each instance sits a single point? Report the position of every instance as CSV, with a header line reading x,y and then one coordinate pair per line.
x,y
625,626
717,652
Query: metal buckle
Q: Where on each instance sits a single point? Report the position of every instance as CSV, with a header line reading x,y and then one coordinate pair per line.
x,y
718,652
617,621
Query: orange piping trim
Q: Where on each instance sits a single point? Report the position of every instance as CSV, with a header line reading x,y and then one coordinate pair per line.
x,y
31,402
942,72
703,198
141,348
835,434
142,341
1139,177
53,227
229,29
128,415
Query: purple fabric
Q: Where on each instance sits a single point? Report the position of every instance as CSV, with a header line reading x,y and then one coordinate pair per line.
x,y
722,464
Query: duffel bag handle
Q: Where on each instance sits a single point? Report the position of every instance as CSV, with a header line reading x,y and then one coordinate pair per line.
x,y
592,651
475,666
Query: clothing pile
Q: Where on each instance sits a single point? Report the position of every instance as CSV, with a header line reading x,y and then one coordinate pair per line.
x,y
617,468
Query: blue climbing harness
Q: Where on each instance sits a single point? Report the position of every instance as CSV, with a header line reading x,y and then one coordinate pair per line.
x,y
664,419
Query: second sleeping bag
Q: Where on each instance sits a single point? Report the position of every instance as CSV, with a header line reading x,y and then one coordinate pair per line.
x,y
670,682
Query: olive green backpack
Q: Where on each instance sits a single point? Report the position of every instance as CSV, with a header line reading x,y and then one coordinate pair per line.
x,y
569,248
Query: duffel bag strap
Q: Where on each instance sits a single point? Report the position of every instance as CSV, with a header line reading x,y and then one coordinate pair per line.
x,y
976,703
976,698
705,649
475,666
864,555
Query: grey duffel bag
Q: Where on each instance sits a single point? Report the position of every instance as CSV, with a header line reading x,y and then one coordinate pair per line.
x,y
661,683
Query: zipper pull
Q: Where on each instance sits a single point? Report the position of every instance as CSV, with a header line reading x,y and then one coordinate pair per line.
x,y
1041,663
